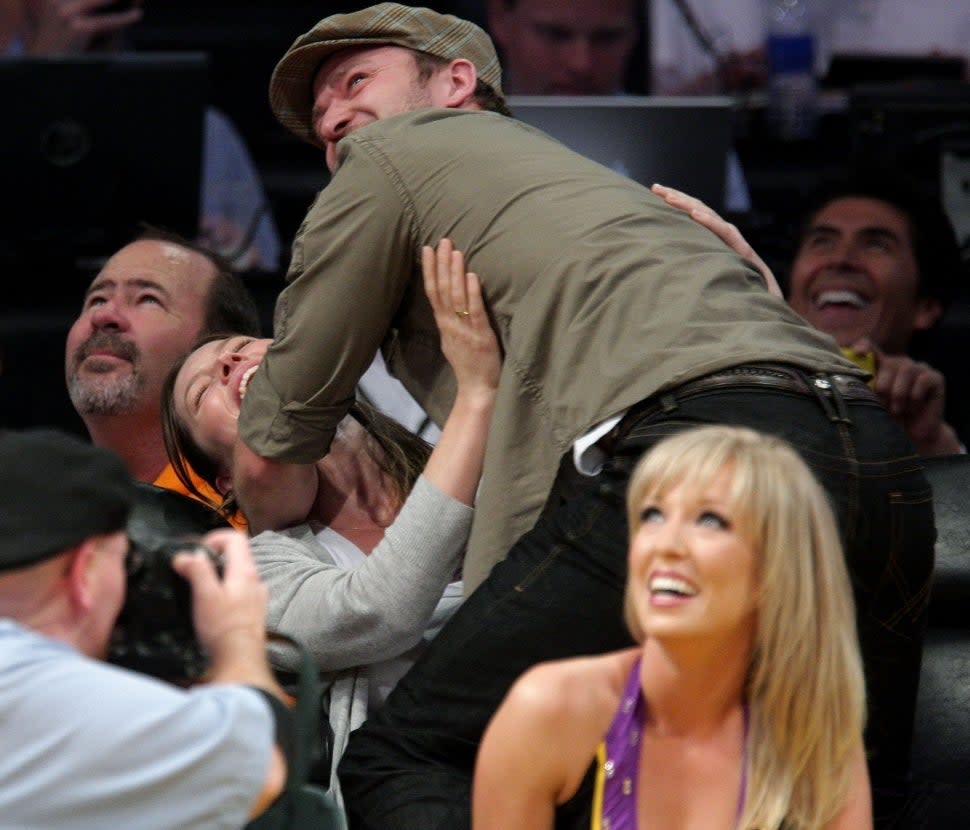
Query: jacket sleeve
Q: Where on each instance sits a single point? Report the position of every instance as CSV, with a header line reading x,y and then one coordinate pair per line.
x,y
351,264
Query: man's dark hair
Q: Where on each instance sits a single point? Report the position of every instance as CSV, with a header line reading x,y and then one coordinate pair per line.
x,y
938,261
485,96
230,306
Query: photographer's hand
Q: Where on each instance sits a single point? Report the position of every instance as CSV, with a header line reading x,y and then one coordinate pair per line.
x,y
229,614
720,227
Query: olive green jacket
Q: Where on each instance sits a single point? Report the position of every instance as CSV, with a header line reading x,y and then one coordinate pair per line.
x,y
601,295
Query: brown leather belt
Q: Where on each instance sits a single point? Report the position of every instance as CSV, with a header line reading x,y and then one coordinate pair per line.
x,y
778,376
825,387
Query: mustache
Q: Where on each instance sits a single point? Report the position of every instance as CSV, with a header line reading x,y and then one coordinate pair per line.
x,y
107,341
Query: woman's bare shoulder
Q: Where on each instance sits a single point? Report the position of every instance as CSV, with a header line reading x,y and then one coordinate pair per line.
x,y
555,715
576,686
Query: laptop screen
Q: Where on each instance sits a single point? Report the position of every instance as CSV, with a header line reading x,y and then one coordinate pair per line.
x,y
682,142
91,145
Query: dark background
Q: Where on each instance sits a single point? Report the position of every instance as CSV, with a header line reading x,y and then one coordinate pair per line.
x,y
244,41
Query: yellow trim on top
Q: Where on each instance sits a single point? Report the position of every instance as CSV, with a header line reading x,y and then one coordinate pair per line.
x,y
596,820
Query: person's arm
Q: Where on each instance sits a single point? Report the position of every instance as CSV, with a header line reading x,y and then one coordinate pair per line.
x,y
470,345
857,812
533,754
351,263
229,615
720,227
137,751
272,494
381,608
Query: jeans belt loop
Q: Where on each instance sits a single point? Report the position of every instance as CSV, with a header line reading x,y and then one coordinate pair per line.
x,y
821,388
840,407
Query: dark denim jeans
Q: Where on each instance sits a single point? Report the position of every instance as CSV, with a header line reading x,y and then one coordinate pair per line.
x,y
559,594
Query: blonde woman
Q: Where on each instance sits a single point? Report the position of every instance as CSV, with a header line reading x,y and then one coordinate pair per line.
x,y
743,704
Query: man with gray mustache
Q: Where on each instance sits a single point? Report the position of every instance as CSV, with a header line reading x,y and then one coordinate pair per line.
x,y
146,308
99,354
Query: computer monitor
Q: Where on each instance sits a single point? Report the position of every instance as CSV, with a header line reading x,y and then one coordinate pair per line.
x,y
682,142
93,145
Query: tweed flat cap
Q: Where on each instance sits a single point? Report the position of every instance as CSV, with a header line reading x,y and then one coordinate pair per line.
x,y
56,491
388,24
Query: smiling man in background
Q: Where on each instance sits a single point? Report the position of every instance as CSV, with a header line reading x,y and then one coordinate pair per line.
x,y
876,266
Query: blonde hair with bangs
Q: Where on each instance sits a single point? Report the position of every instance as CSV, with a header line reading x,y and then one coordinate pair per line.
x,y
805,684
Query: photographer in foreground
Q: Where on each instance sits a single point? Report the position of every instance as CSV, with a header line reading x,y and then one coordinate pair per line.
x,y
88,745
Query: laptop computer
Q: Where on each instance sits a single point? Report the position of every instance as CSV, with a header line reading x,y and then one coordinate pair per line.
x,y
682,142
91,145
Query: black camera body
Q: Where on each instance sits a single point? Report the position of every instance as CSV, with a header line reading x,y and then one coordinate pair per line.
x,y
154,633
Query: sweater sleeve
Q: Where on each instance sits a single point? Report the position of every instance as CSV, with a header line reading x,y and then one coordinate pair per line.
x,y
381,608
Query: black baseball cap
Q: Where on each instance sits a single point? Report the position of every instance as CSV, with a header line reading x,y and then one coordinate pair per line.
x,y
56,491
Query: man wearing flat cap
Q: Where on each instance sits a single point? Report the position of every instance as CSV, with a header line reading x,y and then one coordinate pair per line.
x,y
88,745
620,321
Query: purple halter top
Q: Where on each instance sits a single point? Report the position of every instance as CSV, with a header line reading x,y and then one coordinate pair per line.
x,y
621,760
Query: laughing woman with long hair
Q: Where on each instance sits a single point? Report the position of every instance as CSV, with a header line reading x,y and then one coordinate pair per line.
x,y
380,525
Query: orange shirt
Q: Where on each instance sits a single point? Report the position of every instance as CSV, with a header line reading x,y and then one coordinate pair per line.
x,y
170,481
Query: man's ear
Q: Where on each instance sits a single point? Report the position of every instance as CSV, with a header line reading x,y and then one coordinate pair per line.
x,y
460,79
80,576
928,311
